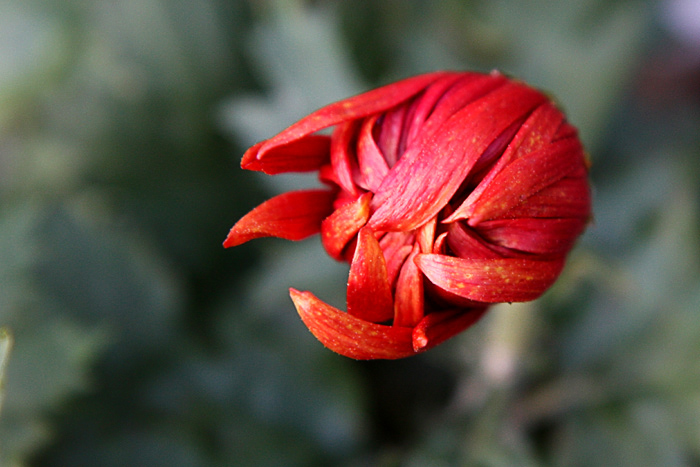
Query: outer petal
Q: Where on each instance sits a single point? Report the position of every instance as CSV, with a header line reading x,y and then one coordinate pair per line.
x,y
340,227
437,327
444,99
396,247
390,133
409,303
293,216
425,236
421,183
491,280
569,197
351,336
533,135
359,106
538,236
369,292
465,243
373,165
525,177
303,155
343,158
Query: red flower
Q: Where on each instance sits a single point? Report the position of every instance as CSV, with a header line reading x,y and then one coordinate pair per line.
x,y
447,192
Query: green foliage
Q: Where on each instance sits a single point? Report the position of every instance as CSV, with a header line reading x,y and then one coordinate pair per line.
x,y
137,340
5,347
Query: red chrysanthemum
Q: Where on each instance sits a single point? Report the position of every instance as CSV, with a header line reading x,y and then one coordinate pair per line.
x,y
447,192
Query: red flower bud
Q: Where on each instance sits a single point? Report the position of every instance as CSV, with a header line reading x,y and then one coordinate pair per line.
x,y
447,192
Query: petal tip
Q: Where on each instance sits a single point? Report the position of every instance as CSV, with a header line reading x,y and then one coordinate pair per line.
x,y
229,242
420,341
349,336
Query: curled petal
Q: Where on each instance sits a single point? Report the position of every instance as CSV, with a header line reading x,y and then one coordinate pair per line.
x,y
373,165
439,326
355,107
534,134
439,247
343,158
396,247
465,243
423,181
490,280
443,99
426,235
391,135
539,236
409,303
566,130
537,131
349,335
341,226
569,197
493,155
525,177
369,292
303,155
293,216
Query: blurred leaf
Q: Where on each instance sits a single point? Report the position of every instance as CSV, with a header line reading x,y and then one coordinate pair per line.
x,y
300,55
633,435
5,347
32,49
105,276
648,275
52,351
312,402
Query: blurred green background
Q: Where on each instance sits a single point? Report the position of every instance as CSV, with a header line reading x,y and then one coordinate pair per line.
x,y
139,340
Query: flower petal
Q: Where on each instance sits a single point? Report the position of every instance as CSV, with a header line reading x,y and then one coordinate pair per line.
x,y
422,181
409,303
351,336
341,226
569,197
396,247
303,155
425,236
527,176
538,236
442,100
362,105
293,216
390,135
343,158
373,166
439,326
466,243
534,134
369,292
490,280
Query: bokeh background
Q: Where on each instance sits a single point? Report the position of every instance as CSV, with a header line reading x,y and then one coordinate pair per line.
x,y
139,340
